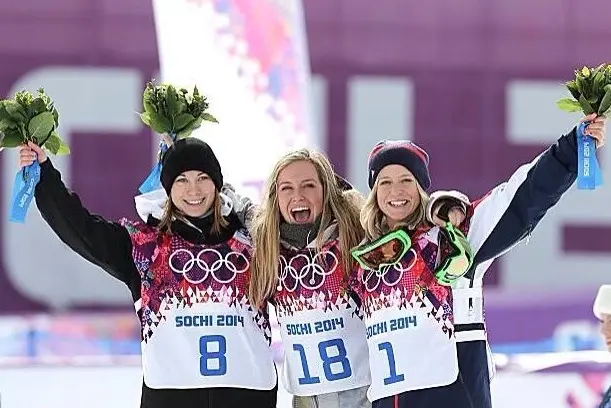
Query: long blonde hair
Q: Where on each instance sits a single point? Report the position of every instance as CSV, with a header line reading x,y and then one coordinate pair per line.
x,y
341,206
171,212
374,221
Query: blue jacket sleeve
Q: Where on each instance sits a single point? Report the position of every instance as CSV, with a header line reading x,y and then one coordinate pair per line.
x,y
508,213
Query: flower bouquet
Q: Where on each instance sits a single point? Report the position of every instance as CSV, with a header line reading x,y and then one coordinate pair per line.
x,y
591,93
174,114
29,118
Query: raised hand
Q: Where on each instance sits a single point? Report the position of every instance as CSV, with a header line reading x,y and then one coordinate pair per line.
x,y
596,128
29,153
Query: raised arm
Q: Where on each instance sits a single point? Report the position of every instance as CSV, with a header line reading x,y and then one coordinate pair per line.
x,y
502,218
105,244
510,212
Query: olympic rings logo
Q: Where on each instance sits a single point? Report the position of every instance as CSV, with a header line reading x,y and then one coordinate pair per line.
x,y
310,273
223,269
390,275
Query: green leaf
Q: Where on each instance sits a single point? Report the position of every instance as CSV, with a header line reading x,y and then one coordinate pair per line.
x,y
605,103
186,132
569,105
7,123
3,113
162,106
11,139
160,124
55,115
168,109
40,126
148,103
572,87
37,106
598,78
581,84
182,104
64,149
182,121
585,105
208,117
15,110
145,118
171,100
53,142
592,97
56,145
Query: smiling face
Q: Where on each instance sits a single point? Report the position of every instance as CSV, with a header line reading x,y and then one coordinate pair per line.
x,y
193,193
397,193
300,193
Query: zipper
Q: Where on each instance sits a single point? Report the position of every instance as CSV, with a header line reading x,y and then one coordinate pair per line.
x,y
190,224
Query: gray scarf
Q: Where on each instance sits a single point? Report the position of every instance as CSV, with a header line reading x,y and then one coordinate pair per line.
x,y
299,235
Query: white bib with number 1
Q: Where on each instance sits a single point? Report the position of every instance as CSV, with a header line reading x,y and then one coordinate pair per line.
x,y
408,350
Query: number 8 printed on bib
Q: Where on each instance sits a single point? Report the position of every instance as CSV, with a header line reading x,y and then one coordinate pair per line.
x,y
209,359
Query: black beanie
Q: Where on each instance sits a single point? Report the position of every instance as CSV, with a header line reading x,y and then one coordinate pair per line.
x,y
404,153
188,154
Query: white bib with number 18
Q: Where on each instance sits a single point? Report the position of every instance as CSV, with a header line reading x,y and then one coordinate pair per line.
x,y
324,351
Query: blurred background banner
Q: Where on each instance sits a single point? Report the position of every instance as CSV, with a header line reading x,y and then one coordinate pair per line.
x,y
250,58
474,82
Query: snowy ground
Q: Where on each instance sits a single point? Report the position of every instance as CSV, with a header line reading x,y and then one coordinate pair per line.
x,y
76,387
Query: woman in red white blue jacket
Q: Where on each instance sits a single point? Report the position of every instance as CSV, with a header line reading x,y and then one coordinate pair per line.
x,y
452,370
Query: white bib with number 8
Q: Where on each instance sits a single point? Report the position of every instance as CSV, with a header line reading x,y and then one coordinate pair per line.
x,y
208,345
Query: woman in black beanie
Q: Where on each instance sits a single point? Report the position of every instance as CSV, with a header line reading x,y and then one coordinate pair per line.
x,y
203,345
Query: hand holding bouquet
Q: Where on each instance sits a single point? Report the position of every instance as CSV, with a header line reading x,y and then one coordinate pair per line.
x,y
591,94
29,118
174,114
591,91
